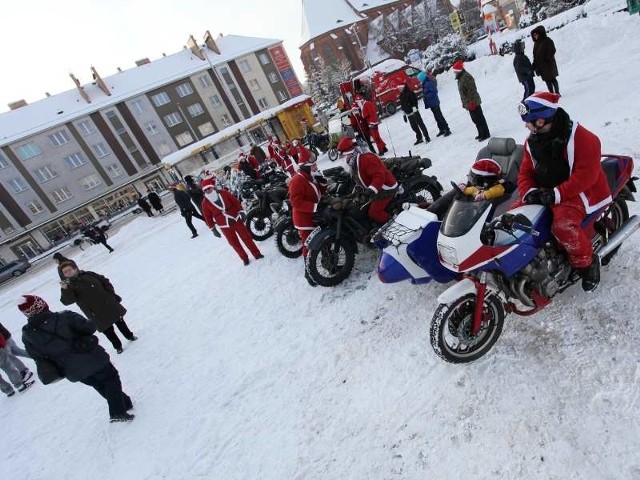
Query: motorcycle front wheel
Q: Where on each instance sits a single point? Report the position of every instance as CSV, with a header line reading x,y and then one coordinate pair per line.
x,y
333,154
332,262
288,239
422,192
451,336
259,224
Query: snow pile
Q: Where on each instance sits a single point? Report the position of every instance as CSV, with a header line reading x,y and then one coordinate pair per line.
x,y
248,373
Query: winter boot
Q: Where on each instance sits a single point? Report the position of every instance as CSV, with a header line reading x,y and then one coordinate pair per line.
x,y
25,385
123,417
447,132
591,275
26,375
417,142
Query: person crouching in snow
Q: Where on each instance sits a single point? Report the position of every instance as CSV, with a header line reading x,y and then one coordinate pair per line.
x,y
221,208
485,181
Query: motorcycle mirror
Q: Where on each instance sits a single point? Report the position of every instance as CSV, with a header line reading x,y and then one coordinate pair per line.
x,y
521,219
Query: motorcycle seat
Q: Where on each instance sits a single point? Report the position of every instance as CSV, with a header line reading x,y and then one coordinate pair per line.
x,y
507,153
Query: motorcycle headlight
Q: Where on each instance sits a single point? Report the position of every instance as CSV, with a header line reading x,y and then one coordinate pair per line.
x,y
448,254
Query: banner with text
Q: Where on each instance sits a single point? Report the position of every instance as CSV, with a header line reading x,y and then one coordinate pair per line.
x,y
286,70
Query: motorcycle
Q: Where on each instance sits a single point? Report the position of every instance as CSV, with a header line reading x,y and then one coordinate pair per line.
x,y
502,264
259,219
334,243
320,142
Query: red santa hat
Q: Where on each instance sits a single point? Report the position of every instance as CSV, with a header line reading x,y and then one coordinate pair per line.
x,y
32,304
208,182
486,167
457,66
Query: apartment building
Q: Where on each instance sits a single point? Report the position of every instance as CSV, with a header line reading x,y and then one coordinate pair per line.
x,y
84,154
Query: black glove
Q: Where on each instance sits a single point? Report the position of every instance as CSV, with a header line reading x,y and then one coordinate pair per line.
x,y
548,197
533,197
368,193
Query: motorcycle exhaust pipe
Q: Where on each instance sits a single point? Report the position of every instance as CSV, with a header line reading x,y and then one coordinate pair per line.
x,y
625,231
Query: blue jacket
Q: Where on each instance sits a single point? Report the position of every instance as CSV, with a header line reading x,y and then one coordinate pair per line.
x,y
430,92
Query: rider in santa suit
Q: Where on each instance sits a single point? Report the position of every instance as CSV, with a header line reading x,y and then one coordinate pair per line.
x,y
561,169
370,116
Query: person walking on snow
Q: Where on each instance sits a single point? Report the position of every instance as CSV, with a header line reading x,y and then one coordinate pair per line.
x,y
65,342
409,105
561,169
194,191
9,364
524,69
187,210
144,205
371,119
432,102
155,201
224,210
544,58
98,300
15,350
471,99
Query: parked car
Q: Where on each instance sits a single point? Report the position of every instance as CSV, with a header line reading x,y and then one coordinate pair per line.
x,y
14,269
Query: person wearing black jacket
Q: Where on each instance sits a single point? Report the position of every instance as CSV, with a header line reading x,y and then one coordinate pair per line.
x,y
187,210
65,342
97,235
144,205
409,105
155,201
523,68
97,299
194,191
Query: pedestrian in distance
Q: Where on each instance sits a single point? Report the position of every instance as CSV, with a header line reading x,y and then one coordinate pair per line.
x,y
471,99
12,367
154,200
144,205
187,209
409,105
432,102
63,345
222,209
524,69
544,58
98,300
96,234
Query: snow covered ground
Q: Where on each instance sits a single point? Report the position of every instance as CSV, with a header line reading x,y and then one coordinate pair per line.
x,y
249,373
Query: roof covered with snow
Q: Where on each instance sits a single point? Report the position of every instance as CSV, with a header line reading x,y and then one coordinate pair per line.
x,y
388,66
322,16
67,106
365,5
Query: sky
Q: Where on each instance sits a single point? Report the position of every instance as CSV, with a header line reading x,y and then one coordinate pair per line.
x,y
42,41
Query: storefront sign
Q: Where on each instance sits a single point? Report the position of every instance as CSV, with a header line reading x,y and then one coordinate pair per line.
x,y
286,70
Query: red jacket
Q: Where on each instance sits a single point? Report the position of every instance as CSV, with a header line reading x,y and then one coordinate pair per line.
x,y
289,164
3,342
227,208
370,113
373,174
303,153
253,161
586,177
304,194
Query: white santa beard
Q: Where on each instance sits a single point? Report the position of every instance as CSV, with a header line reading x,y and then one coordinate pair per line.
x,y
212,196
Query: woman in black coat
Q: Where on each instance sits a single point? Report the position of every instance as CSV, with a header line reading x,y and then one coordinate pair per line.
x,y
544,58
524,69
97,299
155,201
64,342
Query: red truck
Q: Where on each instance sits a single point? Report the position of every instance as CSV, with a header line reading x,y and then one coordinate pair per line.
x,y
383,82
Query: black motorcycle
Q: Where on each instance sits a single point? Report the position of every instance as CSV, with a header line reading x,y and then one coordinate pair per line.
x,y
320,142
259,219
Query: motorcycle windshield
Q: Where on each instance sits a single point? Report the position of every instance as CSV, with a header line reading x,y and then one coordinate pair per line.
x,y
462,216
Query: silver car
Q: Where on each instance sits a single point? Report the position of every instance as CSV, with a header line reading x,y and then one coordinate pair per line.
x,y
13,269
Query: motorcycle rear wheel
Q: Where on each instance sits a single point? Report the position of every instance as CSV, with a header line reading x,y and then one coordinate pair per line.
x,y
288,239
617,215
259,224
333,154
333,262
450,333
422,192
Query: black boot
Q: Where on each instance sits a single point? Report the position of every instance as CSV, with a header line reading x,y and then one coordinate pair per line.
x,y
591,275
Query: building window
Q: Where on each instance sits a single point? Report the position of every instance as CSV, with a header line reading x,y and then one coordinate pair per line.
x,y
160,99
244,66
172,119
263,103
254,84
35,207
195,109
101,150
3,162
111,114
206,129
91,181
215,101
45,173
164,149
264,59
59,138
184,89
76,160
184,138
282,95
18,185
137,106
61,195
205,80
273,77
151,128
27,151
115,170
86,127
226,121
